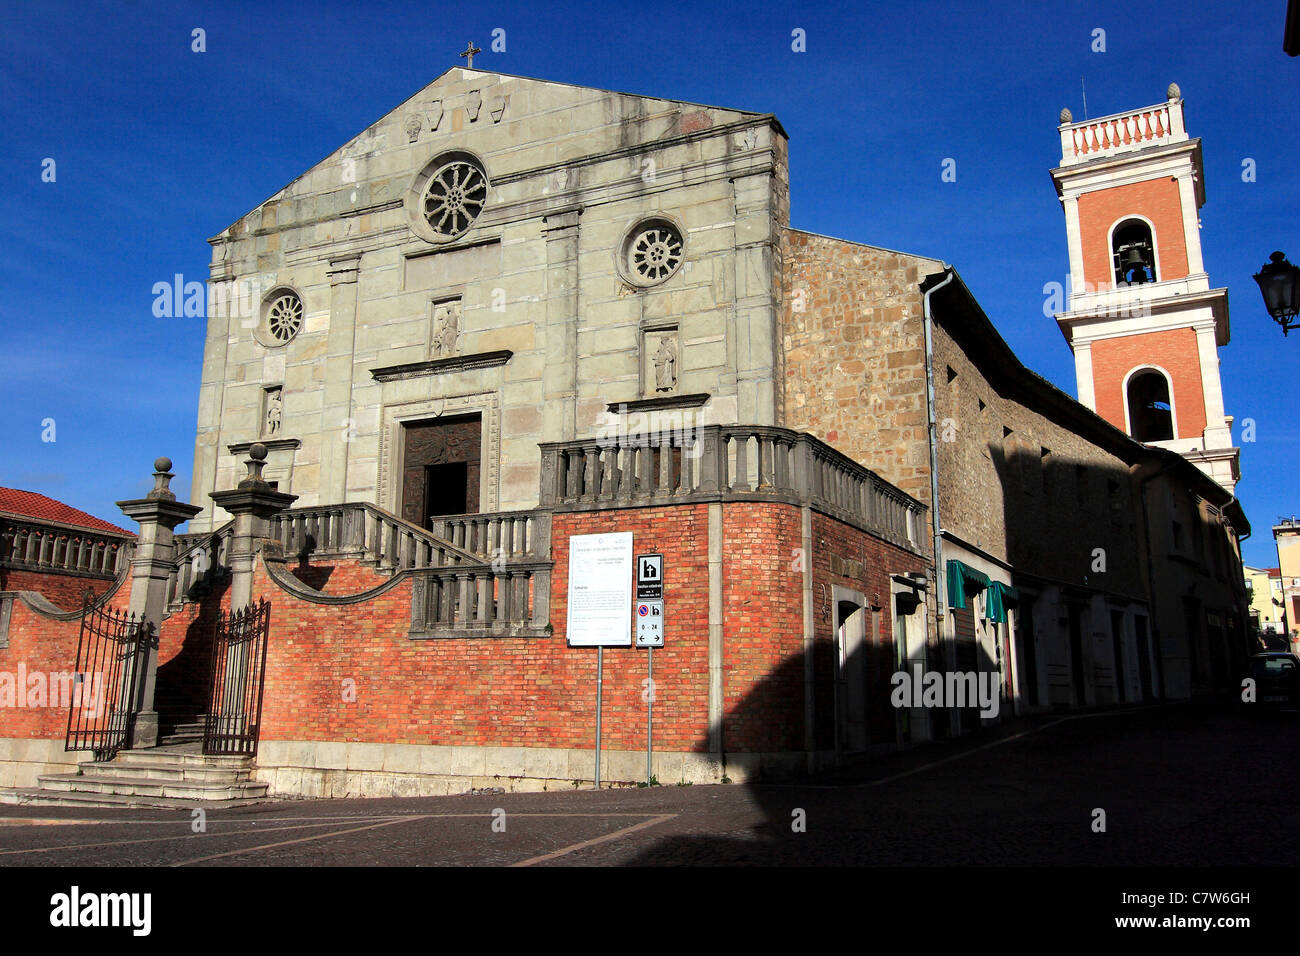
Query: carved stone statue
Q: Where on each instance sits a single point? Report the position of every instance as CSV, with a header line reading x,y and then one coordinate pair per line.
x,y
446,328
665,360
274,411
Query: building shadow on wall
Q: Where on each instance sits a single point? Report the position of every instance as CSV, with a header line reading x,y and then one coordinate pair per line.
x,y
183,681
772,833
313,575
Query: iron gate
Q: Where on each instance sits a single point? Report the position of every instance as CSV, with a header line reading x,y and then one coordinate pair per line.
x,y
234,713
102,693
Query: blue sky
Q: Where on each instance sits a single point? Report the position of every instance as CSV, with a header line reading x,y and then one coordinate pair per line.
x,y
158,147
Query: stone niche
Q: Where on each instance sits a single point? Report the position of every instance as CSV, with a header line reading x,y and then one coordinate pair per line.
x,y
661,361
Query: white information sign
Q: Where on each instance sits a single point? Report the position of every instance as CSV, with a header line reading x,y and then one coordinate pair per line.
x,y
600,589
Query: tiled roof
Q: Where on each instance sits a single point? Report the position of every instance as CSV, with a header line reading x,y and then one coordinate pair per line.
x,y
28,504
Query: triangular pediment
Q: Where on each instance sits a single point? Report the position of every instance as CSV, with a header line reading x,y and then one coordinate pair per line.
x,y
513,124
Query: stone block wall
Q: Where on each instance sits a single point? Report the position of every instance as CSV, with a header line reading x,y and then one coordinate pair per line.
x,y
854,352
1026,489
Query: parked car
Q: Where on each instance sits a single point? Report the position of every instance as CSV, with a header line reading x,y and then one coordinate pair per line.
x,y
1277,678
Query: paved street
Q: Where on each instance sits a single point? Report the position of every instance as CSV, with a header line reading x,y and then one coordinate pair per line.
x,y
1180,785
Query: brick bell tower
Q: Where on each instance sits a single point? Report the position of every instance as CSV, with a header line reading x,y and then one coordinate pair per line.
x,y
1143,322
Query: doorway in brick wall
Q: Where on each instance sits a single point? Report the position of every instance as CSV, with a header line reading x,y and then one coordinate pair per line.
x,y
441,465
851,648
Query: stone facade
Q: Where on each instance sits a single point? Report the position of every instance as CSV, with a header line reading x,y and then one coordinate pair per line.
x,y
552,322
854,354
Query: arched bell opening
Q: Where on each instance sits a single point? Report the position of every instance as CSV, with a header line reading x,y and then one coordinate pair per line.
x,y
1133,250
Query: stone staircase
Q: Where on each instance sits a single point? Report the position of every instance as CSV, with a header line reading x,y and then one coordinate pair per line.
x,y
172,777
175,731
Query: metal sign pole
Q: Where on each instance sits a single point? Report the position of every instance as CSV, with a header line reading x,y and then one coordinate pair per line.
x,y
650,720
600,673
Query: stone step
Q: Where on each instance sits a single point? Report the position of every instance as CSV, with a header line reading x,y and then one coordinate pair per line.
x,y
177,757
195,790
165,771
32,797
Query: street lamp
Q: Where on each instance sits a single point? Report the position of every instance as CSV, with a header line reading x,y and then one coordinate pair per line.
x,y
1279,281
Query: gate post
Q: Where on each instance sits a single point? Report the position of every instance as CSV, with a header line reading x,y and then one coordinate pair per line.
x,y
251,504
158,514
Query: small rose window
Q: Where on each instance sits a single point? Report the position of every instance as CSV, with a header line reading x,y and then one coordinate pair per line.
x,y
453,198
652,252
284,317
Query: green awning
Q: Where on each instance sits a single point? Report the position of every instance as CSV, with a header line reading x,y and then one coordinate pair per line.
x,y
964,580
1000,597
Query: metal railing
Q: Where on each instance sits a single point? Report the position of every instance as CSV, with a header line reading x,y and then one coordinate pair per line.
x,y
233,719
111,649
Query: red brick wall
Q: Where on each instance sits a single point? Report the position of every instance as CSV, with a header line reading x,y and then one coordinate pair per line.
x,y
1173,350
762,594
64,591
846,557
534,692
185,654
1159,201
41,644
522,692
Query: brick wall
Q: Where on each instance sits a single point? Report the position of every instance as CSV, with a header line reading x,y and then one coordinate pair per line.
x,y
64,591
846,557
854,354
1159,201
762,600
1174,350
531,692
39,644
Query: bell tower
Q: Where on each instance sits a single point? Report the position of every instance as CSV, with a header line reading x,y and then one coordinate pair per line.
x,y
1143,322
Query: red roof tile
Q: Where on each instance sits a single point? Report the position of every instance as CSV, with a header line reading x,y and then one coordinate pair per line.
x,y
28,504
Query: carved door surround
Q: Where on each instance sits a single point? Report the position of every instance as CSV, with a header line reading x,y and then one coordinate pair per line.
x,y
391,446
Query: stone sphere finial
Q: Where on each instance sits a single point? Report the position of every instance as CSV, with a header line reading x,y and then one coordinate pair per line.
x,y
1066,116
162,478
1173,92
257,452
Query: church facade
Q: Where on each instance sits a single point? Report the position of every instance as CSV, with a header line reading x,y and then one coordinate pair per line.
x,y
497,263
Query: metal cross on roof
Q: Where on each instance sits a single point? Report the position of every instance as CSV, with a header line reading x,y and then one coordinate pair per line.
x,y
470,50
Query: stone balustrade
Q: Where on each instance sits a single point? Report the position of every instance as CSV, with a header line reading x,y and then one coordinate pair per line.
x,y
489,600
1121,132
364,531
47,548
501,534
200,559
726,463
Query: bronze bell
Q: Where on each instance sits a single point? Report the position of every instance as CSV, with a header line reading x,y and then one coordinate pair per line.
x,y
1135,262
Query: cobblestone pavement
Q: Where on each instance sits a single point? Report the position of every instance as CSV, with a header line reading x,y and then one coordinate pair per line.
x,y
1180,785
